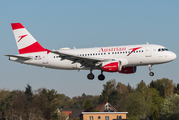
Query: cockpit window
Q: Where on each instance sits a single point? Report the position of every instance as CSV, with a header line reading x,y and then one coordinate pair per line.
x,y
162,49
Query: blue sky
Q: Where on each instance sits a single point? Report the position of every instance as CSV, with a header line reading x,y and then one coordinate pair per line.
x,y
82,24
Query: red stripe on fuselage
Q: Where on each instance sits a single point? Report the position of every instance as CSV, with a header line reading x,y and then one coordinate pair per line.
x,y
35,47
16,26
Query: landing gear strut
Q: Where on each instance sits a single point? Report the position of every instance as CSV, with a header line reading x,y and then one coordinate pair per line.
x,y
101,76
150,68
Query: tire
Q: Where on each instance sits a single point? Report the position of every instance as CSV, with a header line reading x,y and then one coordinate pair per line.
x,y
90,76
101,77
151,74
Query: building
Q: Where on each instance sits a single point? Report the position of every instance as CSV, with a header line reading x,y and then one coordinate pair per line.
x,y
106,112
103,115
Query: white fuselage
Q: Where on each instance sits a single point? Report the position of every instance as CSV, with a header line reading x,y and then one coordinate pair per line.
x,y
145,54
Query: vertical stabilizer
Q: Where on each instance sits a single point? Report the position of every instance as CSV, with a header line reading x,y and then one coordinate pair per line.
x,y
26,43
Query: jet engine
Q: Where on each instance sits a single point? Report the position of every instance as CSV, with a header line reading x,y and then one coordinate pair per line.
x,y
128,70
116,66
111,67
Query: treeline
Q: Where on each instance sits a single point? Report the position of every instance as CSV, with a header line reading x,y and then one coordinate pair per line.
x,y
158,100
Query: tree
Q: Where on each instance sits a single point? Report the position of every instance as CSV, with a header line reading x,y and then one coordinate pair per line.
x,y
168,107
5,105
169,90
141,87
122,88
28,92
155,115
164,86
4,102
130,89
156,99
77,105
176,89
83,95
19,104
87,104
109,87
48,102
114,97
134,104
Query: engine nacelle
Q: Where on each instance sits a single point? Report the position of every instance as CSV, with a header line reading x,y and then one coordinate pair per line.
x,y
117,67
111,67
128,70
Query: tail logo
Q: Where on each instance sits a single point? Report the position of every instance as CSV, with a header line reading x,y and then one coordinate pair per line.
x,y
20,37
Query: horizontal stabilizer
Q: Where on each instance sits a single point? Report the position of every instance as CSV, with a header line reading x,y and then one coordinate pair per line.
x,y
20,57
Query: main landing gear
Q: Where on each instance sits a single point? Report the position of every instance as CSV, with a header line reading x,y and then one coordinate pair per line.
x,y
150,68
101,76
90,76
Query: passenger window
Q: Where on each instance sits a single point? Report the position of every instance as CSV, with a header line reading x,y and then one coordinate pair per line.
x,y
108,52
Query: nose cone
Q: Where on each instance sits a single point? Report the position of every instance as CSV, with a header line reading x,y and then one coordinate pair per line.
x,y
173,56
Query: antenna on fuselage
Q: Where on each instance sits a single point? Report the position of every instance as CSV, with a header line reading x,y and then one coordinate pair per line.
x,y
147,43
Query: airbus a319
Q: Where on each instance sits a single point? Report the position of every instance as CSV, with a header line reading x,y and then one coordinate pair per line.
x,y
122,59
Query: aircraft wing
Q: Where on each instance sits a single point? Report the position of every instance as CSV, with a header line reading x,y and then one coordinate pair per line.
x,y
84,60
19,57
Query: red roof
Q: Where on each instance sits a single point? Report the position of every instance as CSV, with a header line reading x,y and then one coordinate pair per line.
x,y
67,112
103,104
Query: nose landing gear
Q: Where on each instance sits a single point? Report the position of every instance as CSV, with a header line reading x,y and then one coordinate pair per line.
x,y
150,68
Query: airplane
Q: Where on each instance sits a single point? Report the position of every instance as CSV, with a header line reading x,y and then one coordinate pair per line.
x,y
122,59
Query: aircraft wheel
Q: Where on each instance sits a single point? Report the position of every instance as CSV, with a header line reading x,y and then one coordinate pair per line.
x,y
90,76
101,77
151,74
